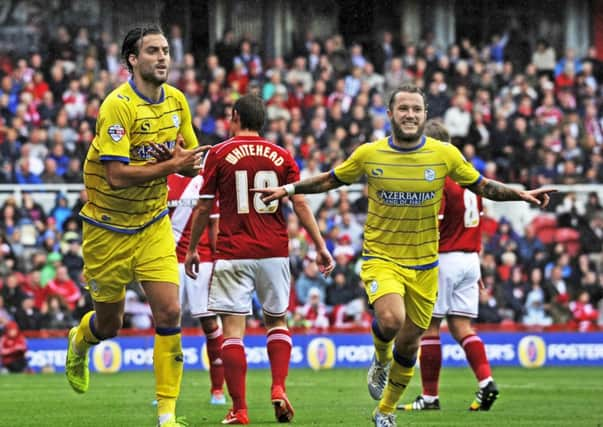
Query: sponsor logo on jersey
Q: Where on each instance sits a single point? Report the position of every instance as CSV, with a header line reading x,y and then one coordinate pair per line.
x,y
429,174
377,172
531,350
145,126
146,151
116,132
321,353
405,198
106,356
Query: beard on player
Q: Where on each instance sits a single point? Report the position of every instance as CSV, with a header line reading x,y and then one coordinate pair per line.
x,y
404,136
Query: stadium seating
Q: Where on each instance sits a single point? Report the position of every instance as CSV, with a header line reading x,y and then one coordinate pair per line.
x,y
545,227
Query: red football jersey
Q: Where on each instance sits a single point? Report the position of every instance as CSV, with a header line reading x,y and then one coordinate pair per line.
x,y
460,219
249,229
183,193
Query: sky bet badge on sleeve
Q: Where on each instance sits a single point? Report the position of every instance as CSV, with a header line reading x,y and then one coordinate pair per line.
x,y
116,132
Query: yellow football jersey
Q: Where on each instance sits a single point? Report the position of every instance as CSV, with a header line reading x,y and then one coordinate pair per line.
x,y
405,190
127,123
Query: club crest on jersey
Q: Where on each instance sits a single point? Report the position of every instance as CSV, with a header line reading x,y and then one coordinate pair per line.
x,y
176,120
374,286
429,175
116,132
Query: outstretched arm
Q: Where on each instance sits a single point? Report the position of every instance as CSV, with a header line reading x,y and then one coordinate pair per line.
x,y
317,184
500,192
306,218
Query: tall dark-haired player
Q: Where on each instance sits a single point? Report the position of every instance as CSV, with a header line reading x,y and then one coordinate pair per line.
x,y
143,134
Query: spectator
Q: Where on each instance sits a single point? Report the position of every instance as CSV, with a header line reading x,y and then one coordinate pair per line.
x,y
64,287
544,59
226,49
24,175
583,312
313,314
28,316
536,302
457,119
73,174
5,316
384,52
50,174
299,73
176,46
12,293
56,314
13,348
72,254
137,313
61,211
512,295
310,279
351,315
487,308
346,285
557,288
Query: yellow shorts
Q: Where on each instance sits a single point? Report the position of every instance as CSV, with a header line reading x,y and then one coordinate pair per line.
x,y
419,288
113,260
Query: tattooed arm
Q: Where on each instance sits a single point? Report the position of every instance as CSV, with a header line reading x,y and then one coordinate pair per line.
x,y
500,192
316,184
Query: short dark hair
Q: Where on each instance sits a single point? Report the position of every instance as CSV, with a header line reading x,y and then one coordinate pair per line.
x,y
409,88
436,129
133,41
251,111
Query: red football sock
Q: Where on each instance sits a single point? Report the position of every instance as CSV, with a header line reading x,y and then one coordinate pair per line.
x,y
430,361
215,339
279,346
235,371
476,355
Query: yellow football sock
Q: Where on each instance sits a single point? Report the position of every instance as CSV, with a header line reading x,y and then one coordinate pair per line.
x,y
399,377
168,364
383,349
85,338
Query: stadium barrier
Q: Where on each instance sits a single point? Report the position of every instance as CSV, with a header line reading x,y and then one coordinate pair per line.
x,y
518,213
332,350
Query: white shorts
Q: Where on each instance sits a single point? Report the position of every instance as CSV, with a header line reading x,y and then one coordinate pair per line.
x,y
458,288
235,280
194,293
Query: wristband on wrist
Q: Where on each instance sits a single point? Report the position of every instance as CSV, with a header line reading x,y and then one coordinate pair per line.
x,y
290,189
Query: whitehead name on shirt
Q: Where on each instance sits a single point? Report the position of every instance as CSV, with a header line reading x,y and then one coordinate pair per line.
x,y
256,150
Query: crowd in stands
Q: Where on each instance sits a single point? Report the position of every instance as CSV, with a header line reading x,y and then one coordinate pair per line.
x,y
532,125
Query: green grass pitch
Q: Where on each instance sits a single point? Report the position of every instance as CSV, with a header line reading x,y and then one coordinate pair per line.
x,y
539,397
